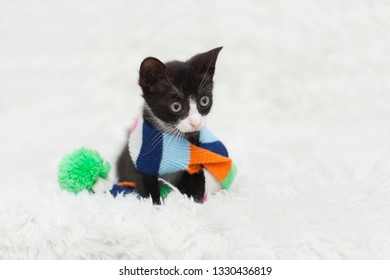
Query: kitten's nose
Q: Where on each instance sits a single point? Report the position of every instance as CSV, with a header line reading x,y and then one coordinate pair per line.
x,y
195,123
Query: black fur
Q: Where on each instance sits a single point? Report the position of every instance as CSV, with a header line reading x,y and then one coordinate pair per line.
x,y
161,85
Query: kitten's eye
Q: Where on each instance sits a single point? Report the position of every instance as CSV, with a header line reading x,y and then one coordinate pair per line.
x,y
204,101
176,107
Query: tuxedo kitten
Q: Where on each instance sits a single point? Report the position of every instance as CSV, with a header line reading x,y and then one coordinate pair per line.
x,y
178,97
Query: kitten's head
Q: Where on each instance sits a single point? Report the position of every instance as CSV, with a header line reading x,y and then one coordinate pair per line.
x,y
178,95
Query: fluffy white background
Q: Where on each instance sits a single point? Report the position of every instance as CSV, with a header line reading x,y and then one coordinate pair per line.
x,y
301,101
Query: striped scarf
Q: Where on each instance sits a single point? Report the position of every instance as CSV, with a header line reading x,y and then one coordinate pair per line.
x,y
157,153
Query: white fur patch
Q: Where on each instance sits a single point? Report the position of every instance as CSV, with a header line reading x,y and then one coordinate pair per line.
x,y
211,184
194,121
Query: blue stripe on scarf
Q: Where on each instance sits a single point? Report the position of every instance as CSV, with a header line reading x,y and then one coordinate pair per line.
x,y
216,147
210,142
149,159
206,136
176,154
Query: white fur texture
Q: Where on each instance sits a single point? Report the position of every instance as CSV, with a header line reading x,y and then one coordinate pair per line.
x,y
194,121
301,100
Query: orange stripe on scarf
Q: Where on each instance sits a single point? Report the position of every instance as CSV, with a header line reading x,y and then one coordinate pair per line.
x,y
127,184
219,166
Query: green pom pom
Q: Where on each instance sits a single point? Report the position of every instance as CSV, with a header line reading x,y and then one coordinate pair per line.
x,y
81,169
164,191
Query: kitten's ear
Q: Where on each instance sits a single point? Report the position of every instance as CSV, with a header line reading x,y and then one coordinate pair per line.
x,y
151,72
204,63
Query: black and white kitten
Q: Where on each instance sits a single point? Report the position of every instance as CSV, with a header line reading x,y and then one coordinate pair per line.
x,y
178,97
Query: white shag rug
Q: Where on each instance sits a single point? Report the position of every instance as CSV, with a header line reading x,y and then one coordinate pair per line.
x,y
302,101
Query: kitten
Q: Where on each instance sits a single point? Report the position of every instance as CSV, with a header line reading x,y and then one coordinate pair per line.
x,y
178,97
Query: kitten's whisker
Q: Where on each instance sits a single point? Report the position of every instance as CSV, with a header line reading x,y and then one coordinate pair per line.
x,y
207,70
169,82
173,136
206,88
204,80
206,85
156,138
168,129
154,142
175,133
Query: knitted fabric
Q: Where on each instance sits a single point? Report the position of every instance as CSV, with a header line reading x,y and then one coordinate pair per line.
x,y
158,153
